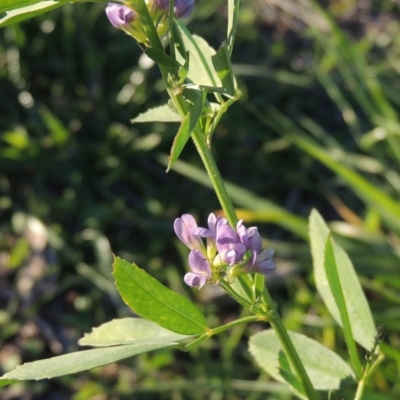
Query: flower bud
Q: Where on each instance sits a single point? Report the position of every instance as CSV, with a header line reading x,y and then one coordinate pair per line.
x,y
120,16
124,18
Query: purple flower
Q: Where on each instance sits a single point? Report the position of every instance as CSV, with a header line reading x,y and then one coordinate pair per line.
x,y
230,251
201,271
230,247
261,261
211,231
124,18
184,228
264,262
120,16
183,8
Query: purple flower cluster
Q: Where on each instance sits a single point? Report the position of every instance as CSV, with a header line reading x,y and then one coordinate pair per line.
x,y
232,251
125,18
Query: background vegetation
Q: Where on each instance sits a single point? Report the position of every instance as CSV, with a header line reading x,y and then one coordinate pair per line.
x,y
316,127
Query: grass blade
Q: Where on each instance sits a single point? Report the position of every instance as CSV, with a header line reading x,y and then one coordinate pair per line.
x,y
332,275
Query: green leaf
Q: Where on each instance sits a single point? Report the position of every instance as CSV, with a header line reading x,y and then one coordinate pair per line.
x,y
233,13
129,331
201,70
327,371
152,300
79,361
162,113
9,5
162,58
362,324
178,41
12,11
332,250
223,67
188,123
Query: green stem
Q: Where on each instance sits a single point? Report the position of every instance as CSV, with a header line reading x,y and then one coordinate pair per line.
x,y
369,370
182,107
215,177
226,203
244,301
171,31
222,328
222,110
244,320
206,156
360,389
288,347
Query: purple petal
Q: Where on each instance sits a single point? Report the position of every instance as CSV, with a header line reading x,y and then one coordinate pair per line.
x,y
192,279
201,271
183,8
189,221
242,233
203,232
212,221
235,255
211,231
184,228
199,264
255,241
264,262
226,237
230,249
119,16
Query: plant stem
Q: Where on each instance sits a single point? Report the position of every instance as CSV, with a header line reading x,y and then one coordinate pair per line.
x,y
244,301
272,315
222,328
360,389
205,153
206,156
251,318
232,25
215,177
288,347
369,370
171,31
198,136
